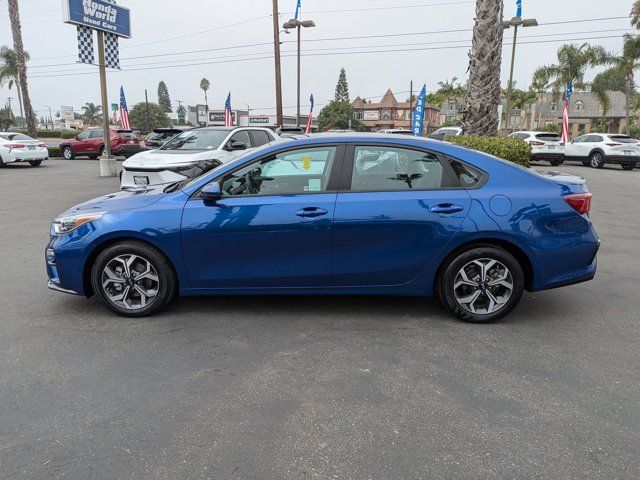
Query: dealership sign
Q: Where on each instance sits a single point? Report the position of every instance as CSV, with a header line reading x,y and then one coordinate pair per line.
x,y
98,15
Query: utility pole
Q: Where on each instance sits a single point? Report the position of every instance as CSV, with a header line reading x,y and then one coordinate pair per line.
x,y
146,101
108,164
276,51
411,101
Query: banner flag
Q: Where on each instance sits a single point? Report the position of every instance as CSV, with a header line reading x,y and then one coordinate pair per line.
x,y
298,7
85,45
519,8
417,118
307,129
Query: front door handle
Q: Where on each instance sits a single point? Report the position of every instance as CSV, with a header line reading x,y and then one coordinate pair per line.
x,y
311,212
446,208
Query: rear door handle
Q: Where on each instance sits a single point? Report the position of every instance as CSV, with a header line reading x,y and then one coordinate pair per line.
x,y
311,212
446,208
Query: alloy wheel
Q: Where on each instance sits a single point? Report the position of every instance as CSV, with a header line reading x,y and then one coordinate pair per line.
x,y
596,160
68,154
483,286
130,281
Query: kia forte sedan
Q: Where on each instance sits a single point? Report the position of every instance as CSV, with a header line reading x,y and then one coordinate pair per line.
x,y
354,214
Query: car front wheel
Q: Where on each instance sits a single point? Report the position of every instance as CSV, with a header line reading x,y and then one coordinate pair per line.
x,y
67,153
481,285
133,279
596,160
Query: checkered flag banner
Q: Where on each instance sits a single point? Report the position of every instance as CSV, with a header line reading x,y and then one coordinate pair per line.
x,y
111,50
85,45
111,53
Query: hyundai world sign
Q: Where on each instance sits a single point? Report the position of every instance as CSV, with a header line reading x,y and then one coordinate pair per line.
x,y
98,15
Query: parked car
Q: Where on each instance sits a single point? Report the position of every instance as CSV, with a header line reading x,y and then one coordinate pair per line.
x,y
598,149
160,136
440,133
17,147
544,146
396,131
334,214
191,153
90,143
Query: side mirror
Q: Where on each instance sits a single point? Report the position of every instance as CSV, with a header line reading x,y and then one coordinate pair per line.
x,y
211,193
76,137
232,146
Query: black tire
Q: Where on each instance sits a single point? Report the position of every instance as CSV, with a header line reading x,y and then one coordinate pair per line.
x,y
101,151
67,153
1,163
628,166
596,160
555,163
93,157
166,286
447,277
585,163
35,163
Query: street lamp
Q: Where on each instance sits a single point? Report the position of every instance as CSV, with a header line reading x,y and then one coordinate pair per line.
x,y
515,22
299,24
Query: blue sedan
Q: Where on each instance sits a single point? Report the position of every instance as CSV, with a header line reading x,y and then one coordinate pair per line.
x,y
334,215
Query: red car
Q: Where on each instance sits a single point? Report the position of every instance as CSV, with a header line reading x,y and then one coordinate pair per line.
x,y
90,143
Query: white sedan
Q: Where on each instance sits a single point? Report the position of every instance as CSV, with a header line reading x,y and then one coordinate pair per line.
x,y
597,149
17,147
190,154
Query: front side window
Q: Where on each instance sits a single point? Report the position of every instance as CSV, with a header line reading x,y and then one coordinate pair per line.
x,y
390,169
292,172
197,140
84,135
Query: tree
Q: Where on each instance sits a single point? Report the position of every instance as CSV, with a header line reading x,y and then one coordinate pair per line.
x,y
626,64
9,72
16,31
611,79
481,111
635,14
338,115
163,97
204,86
91,114
342,88
6,118
157,117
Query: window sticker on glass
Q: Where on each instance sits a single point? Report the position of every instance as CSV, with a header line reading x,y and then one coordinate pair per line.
x,y
306,162
315,185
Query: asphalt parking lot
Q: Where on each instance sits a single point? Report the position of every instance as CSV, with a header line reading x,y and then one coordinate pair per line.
x,y
295,387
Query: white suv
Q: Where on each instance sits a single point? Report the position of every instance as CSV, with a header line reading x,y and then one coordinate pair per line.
x,y
544,146
191,153
596,149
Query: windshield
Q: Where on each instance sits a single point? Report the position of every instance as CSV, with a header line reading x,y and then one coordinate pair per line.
x,y
197,140
622,139
15,136
548,137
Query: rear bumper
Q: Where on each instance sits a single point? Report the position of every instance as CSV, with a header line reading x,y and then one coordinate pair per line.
x,y
163,177
127,150
27,156
621,159
547,156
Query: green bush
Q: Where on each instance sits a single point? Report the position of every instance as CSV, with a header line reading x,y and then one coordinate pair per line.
x,y
54,133
514,150
54,152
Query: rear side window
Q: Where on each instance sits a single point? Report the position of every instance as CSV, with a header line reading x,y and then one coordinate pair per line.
x,y
96,134
391,169
466,175
260,138
548,137
622,139
593,139
243,137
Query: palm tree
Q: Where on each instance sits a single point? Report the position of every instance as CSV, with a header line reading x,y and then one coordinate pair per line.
x,y
204,86
540,86
9,72
481,111
626,64
91,113
16,30
635,14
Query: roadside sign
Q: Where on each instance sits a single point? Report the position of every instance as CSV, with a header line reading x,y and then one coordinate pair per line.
x,y
98,15
201,112
66,112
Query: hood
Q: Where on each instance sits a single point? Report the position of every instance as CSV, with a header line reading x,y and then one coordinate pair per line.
x,y
127,199
160,158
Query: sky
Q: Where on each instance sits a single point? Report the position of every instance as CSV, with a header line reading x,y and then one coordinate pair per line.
x,y
231,44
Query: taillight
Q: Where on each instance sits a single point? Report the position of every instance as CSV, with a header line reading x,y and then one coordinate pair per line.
x,y
613,144
14,145
537,143
42,145
580,202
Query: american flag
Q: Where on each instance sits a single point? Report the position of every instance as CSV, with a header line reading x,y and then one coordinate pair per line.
x,y
565,113
307,130
124,113
228,117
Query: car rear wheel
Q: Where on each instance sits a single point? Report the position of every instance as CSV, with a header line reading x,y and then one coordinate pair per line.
x,y
481,285
596,160
35,163
555,163
133,279
628,166
67,153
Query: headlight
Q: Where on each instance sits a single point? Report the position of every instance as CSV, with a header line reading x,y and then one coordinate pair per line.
x,y
71,222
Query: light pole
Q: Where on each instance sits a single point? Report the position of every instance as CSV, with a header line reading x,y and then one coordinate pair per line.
x,y
299,24
515,22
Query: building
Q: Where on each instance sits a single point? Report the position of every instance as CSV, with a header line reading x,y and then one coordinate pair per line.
x,y
245,118
585,114
389,113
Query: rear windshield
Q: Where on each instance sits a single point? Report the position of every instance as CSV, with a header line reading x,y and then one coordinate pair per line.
x,y
548,137
622,139
15,136
126,133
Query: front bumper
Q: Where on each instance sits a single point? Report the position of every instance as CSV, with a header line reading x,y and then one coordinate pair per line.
x,y
58,288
